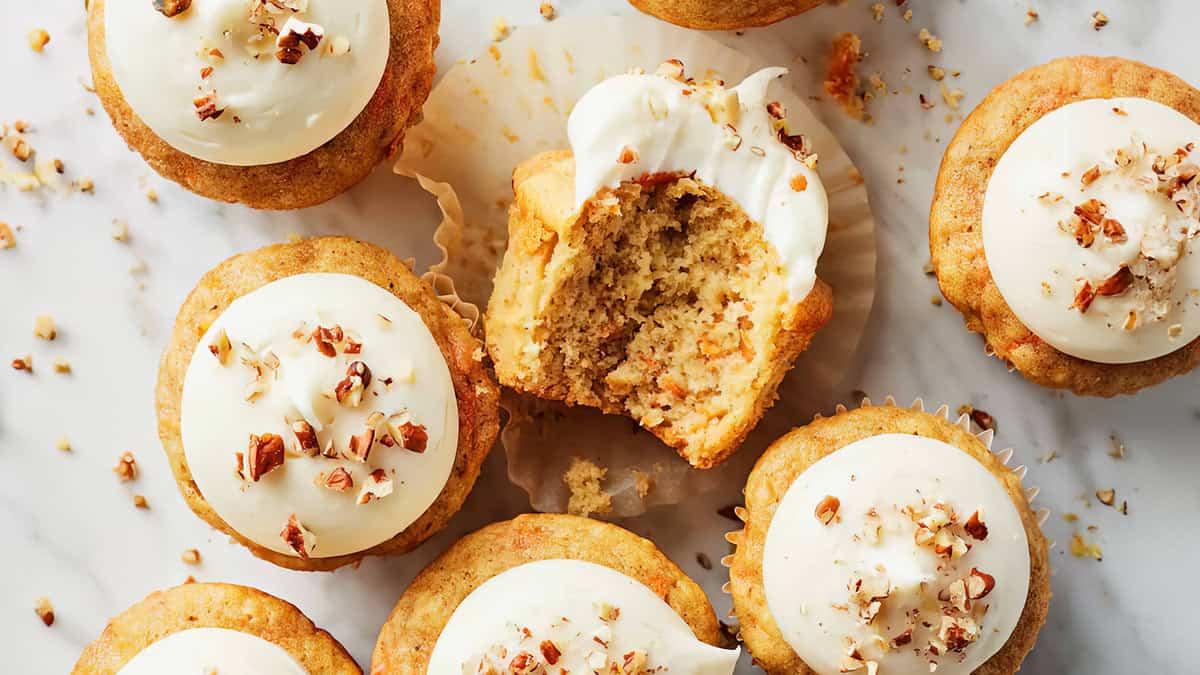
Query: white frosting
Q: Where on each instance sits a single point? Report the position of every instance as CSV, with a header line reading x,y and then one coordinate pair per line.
x,y
808,566
731,142
272,111
1037,265
562,601
217,420
205,651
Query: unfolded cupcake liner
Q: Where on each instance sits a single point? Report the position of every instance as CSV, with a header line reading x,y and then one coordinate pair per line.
x,y
963,421
487,115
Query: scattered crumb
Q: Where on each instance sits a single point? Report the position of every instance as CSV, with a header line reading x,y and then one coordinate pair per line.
x,y
120,230
1123,509
877,12
45,610
704,561
7,239
43,327
1070,517
642,482
841,80
927,268
1118,448
63,444
935,300
877,82
979,417
62,367
547,11
1031,16
1049,457
1106,497
139,501
85,184
500,29
126,468
38,38
587,497
937,73
952,97
908,16
152,195
1084,549
932,42
1098,20
190,557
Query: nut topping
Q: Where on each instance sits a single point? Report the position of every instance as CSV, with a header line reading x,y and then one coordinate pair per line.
x,y
295,535
172,8
264,455
827,509
410,436
360,444
221,347
350,390
339,480
550,652
378,485
979,584
306,438
1118,283
293,34
976,527
206,106
1084,295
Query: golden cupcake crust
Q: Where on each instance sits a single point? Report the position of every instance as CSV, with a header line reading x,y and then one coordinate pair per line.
x,y
478,396
238,608
324,173
956,218
407,639
799,449
723,14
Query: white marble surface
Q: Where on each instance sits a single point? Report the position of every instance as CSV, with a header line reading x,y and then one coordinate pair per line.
x,y
72,533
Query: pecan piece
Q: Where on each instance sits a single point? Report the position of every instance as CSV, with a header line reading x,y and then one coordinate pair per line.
x,y
172,8
377,486
979,584
306,438
295,535
264,455
350,390
413,437
1084,295
827,509
339,480
206,106
1118,283
976,527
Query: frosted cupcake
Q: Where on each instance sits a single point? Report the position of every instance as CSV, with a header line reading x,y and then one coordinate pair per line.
x,y
722,14
665,267
1064,224
552,594
214,628
277,104
319,404
889,541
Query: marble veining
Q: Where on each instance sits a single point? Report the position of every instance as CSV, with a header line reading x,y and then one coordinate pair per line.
x,y
72,533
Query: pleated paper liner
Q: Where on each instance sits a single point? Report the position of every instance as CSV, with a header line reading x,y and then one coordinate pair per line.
x,y
487,115
986,436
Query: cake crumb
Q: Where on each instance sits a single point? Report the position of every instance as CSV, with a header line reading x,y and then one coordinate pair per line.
x,y
642,482
190,557
120,230
43,327
44,610
7,239
139,501
126,468
500,29
1098,20
841,80
63,444
38,39
1081,548
587,497
935,300
547,11
62,366
938,74
908,15
1031,16
932,42
952,97
877,12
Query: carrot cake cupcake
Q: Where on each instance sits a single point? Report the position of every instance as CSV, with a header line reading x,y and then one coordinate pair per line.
x,y
276,104
214,628
891,541
723,14
319,403
552,594
665,267
1064,224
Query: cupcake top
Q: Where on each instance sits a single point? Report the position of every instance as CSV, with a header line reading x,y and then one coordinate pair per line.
x,y
212,650
896,554
1089,223
639,126
247,82
576,616
318,415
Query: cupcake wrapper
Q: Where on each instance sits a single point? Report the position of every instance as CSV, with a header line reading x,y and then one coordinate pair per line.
x,y
987,436
487,115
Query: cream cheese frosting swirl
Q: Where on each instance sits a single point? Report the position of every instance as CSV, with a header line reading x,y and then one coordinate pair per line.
x,y
895,553
318,415
576,616
1089,227
247,82
734,139
204,651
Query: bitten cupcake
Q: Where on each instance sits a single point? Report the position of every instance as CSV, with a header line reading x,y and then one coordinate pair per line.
x,y
723,14
214,628
1064,224
665,267
319,403
552,594
276,104
890,541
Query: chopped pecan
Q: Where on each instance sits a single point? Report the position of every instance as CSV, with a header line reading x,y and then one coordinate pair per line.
x,y
979,584
350,390
206,106
172,8
295,535
326,339
827,509
339,480
1084,295
410,436
550,652
976,527
306,437
265,454
1118,283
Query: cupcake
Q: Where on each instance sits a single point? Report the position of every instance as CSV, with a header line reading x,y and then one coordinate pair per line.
x,y
276,104
214,628
318,403
552,594
891,541
722,14
665,267
1064,223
